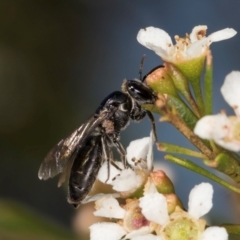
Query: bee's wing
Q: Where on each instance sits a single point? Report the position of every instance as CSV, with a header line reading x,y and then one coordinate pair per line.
x,y
64,152
67,169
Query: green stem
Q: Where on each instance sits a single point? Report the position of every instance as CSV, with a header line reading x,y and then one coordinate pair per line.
x,y
188,133
208,81
194,167
193,104
213,146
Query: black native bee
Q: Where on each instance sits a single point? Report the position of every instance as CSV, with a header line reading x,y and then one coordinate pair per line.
x,y
81,155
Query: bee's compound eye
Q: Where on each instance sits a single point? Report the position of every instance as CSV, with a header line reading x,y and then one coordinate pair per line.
x,y
114,104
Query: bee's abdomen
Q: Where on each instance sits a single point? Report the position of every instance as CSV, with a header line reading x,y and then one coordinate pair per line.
x,y
84,170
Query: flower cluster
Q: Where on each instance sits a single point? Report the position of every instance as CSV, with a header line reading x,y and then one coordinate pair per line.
x,y
151,211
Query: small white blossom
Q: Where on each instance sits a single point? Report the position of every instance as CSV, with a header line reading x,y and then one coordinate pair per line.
x,y
224,130
193,46
106,231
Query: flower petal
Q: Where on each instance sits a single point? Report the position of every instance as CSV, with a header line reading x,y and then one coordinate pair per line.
x,y
154,207
231,89
113,172
127,180
160,52
109,207
212,127
140,153
197,48
214,233
200,200
220,35
137,149
156,38
106,231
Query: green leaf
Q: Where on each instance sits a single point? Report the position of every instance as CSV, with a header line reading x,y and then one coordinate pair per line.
x,y
18,222
167,147
195,168
184,112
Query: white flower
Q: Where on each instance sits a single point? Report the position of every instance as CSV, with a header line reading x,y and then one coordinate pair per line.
x,y
192,46
106,231
222,129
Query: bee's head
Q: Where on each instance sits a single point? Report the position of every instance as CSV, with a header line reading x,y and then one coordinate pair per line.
x,y
139,91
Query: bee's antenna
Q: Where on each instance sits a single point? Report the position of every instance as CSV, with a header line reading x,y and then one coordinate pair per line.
x,y
141,67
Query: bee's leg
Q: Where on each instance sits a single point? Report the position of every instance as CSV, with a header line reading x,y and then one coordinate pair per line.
x,y
153,125
115,165
141,67
122,152
106,155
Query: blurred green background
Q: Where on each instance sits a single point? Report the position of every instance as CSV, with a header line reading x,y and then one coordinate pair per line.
x,y
58,60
